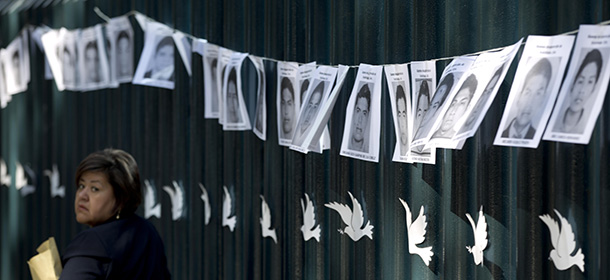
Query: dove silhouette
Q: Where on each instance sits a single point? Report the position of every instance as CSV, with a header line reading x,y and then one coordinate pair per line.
x,y
151,207
5,178
564,242
227,205
309,220
266,220
21,181
355,228
416,232
206,204
176,195
56,188
480,237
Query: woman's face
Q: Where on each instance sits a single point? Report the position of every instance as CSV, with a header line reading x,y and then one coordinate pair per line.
x,y
94,202
583,87
164,57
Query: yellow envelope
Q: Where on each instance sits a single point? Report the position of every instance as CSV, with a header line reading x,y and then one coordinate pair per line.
x,y
46,264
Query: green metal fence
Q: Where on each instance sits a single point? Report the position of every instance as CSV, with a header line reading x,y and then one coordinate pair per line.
x,y
166,132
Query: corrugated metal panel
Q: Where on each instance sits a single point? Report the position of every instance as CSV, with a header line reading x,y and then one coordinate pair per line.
x,y
171,140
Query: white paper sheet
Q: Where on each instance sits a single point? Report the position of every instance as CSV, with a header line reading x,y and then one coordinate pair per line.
x,y
484,96
224,57
319,127
210,81
399,87
534,90
13,61
318,91
121,55
235,112
287,101
260,117
584,88
156,66
423,81
183,44
362,129
93,62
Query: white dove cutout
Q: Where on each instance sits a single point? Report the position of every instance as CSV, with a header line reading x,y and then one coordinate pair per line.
x,y
176,195
5,178
564,243
266,220
151,207
416,232
480,237
21,181
309,220
206,204
56,188
355,228
227,205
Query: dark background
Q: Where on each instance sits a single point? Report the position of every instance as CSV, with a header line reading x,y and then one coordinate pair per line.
x,y
167,134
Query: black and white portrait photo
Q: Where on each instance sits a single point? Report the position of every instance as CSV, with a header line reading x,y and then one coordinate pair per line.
x,y
456,108
156,66
235,111
533,92
260,118
490,68
451,75
161,65
287,101
583,90
120,35
530,101
423,86
93,60
422,98
304,78
13,63
397,77
224,58
318,137
362,124
312,102
5,98
358,137
185,49
210,71
68,57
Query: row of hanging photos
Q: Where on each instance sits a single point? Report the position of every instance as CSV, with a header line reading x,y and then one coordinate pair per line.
x,y
427,115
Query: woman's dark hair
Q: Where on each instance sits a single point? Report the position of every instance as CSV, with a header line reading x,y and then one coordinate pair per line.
x,y
166,41
121,171
594,56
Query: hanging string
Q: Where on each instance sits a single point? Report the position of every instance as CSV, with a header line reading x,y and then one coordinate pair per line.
x,y
134,12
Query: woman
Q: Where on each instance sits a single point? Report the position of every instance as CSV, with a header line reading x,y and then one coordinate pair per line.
x,y
119,244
